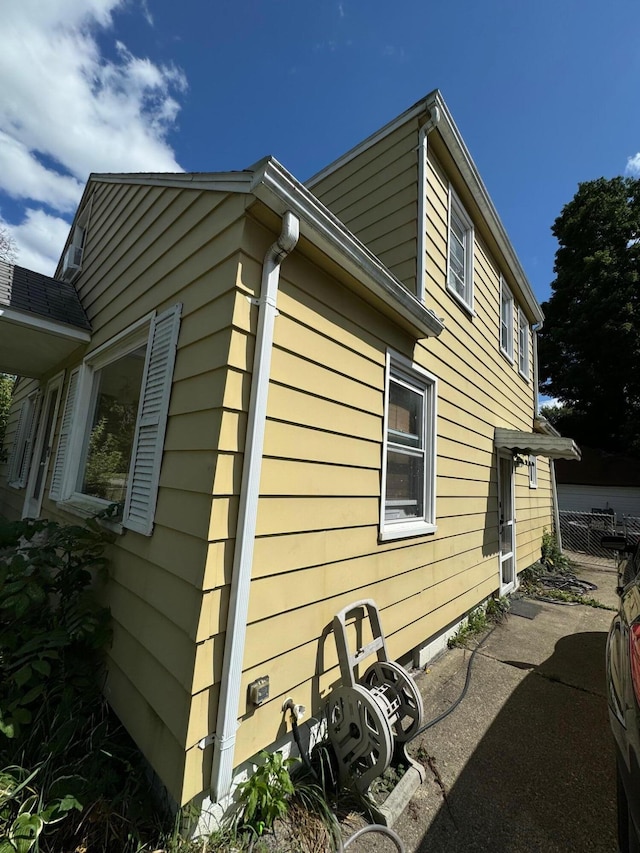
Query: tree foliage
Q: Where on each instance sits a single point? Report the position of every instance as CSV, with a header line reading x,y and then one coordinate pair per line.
x,y
590,345
6,389
8,247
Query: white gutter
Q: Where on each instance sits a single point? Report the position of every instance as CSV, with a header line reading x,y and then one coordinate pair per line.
x,y
229,701
421,262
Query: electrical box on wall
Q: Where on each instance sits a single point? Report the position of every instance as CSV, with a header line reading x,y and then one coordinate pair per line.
x,y
259,690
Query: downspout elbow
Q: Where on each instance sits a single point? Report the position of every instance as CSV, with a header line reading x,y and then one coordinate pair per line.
x,y
287,240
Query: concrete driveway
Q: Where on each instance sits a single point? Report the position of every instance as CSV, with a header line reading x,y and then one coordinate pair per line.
x,y
526,762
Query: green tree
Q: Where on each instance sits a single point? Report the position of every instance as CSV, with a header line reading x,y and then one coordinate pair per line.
x,y
6,389
590,345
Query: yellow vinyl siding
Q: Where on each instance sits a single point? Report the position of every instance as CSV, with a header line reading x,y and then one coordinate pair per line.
x,y
376,195
147,248
317,546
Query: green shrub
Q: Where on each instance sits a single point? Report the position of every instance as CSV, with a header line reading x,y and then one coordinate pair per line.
x,y
551,555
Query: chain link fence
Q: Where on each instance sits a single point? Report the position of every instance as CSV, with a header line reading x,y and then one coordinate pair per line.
x,y
582,531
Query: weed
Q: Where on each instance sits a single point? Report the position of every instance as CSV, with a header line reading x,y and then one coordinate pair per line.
x,y
383,785
571,597
479,620
551,555
265,796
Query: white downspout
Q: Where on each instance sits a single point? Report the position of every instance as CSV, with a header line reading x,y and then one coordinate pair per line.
x,y
536,397
229,701
421,260
536,412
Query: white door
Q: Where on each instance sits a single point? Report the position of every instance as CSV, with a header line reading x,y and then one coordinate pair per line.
x,y
506,525
42,449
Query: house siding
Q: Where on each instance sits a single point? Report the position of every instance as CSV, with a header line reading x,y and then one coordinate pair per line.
x,y
148,248
376,195
317,547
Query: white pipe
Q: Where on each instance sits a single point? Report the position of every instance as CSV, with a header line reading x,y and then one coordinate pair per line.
x,y
536,396
421,260
536,412
229,701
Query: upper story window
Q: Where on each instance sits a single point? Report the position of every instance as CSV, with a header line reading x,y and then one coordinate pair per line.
x,y
523,344
460,252
506,321
408,475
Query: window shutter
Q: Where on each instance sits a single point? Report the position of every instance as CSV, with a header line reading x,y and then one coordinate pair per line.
x,y
63,441
17,442
27,447
152,421
23,442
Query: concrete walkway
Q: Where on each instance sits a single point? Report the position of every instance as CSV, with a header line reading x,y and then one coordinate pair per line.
x,y
526,761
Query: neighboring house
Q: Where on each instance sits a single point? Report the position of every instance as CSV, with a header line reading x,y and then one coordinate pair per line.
x,y
293,415
602,481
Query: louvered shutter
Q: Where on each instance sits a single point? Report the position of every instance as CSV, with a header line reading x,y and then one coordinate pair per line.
x,y
63,441
14,459
16,441
30,422
148,443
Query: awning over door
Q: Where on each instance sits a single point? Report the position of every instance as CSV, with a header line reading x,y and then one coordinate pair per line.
x,y
41,321
535,444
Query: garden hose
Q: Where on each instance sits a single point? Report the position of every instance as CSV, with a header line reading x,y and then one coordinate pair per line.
x,y
467,681
374,827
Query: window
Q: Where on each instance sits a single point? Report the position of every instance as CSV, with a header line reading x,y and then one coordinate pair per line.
x,y
460,253
523,344
506,321
23,442
408,476
112,430
533,472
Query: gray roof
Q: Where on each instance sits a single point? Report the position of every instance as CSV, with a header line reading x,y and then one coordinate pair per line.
x,y
26,290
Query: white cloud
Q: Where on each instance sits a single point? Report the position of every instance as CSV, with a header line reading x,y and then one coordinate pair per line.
x,y
633,165
67,110
23,176
40,238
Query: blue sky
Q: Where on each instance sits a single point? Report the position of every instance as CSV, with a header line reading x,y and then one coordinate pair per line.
x,y
544,94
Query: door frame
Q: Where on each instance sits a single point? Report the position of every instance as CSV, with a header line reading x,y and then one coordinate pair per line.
x,y
33,502
511,584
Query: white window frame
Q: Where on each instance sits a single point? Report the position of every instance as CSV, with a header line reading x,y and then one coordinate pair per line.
x,y
21,452
79,409
533,472
506,319
456,209
406,372
523,344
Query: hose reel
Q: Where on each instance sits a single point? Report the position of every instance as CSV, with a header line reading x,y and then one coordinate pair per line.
x,y
371,718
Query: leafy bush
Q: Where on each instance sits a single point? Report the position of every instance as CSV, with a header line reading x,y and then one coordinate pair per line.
x,y
73,780
265,796
551,555
51,629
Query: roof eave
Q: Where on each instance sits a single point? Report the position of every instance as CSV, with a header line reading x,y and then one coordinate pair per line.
x,y
280,191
